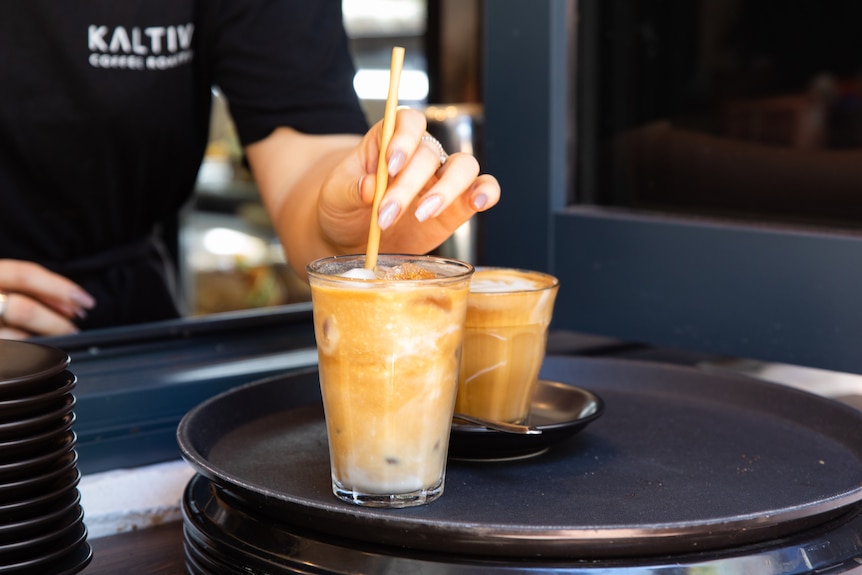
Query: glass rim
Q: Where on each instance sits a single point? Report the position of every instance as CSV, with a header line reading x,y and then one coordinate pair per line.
x,y
312,268
554,280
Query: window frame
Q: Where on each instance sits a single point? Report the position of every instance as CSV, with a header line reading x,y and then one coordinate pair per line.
x,y
740,289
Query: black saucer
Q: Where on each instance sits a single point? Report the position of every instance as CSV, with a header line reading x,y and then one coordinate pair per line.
x,y
30,446
23,364
43,421
68,553
33,484
40,524
558,410
39,463
43,397
52,495
26,545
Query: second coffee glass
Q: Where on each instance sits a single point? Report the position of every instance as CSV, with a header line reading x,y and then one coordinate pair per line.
x,y
505,336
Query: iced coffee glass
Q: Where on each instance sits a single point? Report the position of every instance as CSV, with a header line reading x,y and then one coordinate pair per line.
x,y
505,336
389,350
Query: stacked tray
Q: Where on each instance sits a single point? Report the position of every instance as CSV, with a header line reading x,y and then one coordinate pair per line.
x,y
685,470
41,519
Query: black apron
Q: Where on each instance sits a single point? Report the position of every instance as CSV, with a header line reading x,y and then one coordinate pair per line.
x,y
132,283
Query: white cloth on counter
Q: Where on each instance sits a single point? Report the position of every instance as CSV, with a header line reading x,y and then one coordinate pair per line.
x,y
123,500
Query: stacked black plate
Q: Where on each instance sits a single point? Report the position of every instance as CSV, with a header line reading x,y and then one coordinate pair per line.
x,y
41,519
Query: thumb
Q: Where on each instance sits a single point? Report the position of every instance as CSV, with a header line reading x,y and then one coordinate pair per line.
x,y
344,209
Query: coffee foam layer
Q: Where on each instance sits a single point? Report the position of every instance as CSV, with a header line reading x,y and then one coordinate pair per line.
x,y
497,281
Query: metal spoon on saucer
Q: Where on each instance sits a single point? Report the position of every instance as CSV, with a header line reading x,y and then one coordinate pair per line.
x,y
498,425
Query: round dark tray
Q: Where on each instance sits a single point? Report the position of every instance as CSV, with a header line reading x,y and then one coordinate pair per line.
x,y
222,537
680,461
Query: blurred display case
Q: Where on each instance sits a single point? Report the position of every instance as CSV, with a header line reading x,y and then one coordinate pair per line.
x,y
230,257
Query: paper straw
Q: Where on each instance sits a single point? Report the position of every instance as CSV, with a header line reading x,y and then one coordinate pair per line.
x,y
388,129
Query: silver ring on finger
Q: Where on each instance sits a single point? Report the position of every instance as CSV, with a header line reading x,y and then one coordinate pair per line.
x,y
4,302
435,143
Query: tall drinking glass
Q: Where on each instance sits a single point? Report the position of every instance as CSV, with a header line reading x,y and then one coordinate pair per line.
x,y
389,352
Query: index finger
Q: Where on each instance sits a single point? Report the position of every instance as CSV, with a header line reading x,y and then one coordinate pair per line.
x,y
38,282
28,314
410,126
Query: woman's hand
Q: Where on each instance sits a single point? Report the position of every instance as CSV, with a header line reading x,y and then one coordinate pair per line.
x,y
426,199
319,190
35,301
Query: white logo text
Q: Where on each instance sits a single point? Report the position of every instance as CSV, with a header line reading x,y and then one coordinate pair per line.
x,y
136,48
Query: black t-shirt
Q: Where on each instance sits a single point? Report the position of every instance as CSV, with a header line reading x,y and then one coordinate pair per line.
x,y
104,109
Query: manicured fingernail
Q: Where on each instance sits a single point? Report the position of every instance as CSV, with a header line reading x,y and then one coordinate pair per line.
x,y
428,207
388,212
396,162
480,201
83,299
